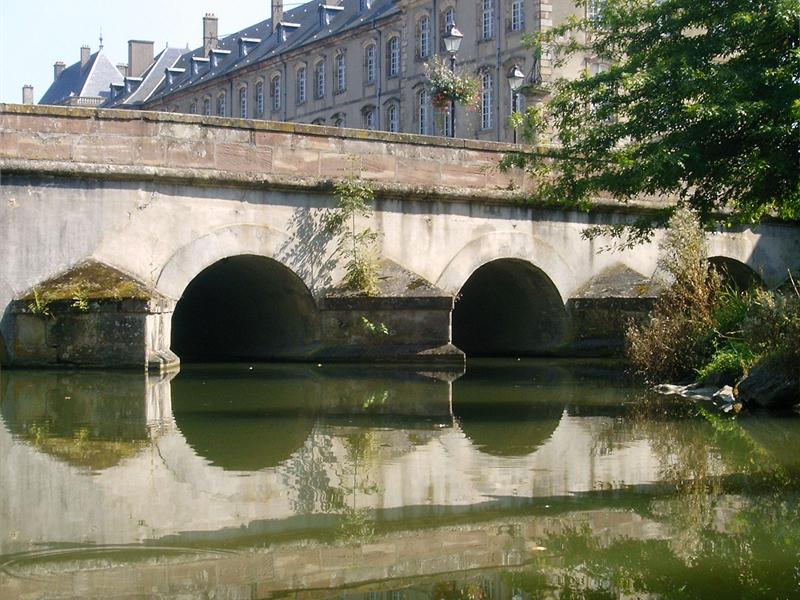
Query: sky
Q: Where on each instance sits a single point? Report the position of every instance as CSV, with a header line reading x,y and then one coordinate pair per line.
x,y
34,34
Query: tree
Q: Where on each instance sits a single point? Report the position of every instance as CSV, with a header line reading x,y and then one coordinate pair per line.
x,y
697,101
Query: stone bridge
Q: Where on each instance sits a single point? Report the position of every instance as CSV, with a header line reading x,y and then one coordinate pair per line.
x,y
130,237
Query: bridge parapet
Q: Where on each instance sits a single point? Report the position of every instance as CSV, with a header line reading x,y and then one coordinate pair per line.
x,y
197,149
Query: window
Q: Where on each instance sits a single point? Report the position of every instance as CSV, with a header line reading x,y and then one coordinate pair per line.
x,y
221,104
369,63
193,107
243,102
487,19
275,92
260,98
422,106
449,19
341,73
487,86
301,85
392,119
593,9
339,121
447,122
207,107
423,37
319,79
369,119
364,5
517,15
393,47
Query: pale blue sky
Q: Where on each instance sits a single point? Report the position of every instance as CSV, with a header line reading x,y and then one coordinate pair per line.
x,y
36,33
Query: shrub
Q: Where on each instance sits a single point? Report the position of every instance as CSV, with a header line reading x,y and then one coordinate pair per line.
x,y
677,340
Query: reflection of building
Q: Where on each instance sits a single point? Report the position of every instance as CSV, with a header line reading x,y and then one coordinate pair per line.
x,y
351,63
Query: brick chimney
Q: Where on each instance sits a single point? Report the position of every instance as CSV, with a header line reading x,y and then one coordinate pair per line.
x,y
123,68
277,14
86,52
58,68
210,33
140,56
27,94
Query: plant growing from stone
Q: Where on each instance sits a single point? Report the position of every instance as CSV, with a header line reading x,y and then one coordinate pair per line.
x,y
40,304
355,244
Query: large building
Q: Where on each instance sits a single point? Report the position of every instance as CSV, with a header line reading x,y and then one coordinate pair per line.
x,y
357,63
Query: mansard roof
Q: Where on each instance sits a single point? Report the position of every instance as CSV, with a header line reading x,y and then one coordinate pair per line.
x,y
152,78
91,80
311,30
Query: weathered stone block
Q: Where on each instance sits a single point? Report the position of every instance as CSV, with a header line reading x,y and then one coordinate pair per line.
x,y
243,158
295,162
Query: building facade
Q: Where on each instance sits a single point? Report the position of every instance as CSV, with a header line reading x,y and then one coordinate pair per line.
x,y
355,63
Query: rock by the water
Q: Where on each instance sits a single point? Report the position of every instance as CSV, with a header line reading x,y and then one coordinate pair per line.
x,y
768,389
724,394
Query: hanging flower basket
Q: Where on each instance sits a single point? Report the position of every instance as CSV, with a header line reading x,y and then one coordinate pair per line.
x,y
447,86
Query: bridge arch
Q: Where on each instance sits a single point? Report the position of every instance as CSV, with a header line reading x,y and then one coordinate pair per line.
x,y
510,290
236,240
735,273
508,245
245,307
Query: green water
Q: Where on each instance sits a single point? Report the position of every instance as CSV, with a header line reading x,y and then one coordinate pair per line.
x,y
518,479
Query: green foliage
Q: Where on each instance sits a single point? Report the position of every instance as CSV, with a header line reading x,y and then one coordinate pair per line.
x,y
447,85
374,329
80,301
675,341
728,363
357,246
699,326
40,305
696,101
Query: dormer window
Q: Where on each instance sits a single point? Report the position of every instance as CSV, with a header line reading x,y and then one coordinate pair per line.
x,y
285,29
247,44
327,12
216,55
171,74
198,63
364,5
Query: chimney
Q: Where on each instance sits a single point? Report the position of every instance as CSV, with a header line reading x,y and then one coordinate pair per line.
x,y
27,94
86,52
210,33
140,56
58,68
122,68
277,14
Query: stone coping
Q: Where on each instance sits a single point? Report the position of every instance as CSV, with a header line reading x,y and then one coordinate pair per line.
x,y
115,114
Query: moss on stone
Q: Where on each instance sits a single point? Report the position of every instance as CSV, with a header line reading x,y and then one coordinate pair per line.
x,y
90,280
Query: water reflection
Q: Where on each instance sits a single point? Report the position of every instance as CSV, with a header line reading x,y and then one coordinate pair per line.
x,y
522,479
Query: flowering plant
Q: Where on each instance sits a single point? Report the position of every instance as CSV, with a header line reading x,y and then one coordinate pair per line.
x,y
446,86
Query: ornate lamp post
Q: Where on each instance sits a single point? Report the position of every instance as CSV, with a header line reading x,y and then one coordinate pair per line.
x,y
452,42
515,78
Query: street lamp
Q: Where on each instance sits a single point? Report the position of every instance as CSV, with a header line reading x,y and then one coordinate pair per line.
x,y
452,42
515,78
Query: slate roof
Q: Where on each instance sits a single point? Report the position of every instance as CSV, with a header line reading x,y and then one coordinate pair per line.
x,y
310,32
151,78
90,81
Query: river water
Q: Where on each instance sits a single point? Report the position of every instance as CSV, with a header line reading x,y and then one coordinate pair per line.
x,y
518,479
